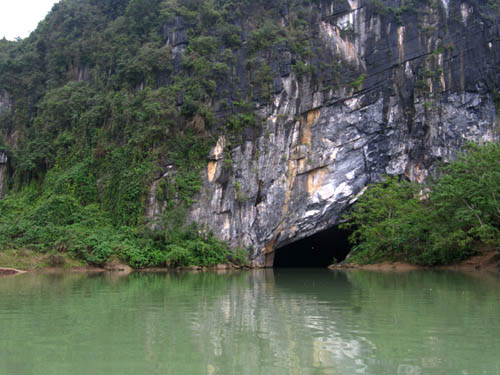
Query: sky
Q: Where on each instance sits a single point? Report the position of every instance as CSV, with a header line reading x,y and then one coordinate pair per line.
x,y
18,18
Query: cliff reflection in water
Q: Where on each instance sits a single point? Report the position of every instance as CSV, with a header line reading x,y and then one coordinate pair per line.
x,y
266,321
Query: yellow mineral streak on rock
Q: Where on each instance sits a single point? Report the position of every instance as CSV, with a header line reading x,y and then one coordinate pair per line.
x,y
313,116
293,165
211,169
302,164
306,135
270,246
315,180
215,155
311,119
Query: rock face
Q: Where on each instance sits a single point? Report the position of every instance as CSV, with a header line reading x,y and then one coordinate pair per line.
x,y
346,93
421,88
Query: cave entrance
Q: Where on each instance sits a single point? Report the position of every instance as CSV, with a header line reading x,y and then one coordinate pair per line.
x,y
319,250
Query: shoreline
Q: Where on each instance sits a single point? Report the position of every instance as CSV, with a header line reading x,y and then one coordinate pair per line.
x,y
487,261
17,262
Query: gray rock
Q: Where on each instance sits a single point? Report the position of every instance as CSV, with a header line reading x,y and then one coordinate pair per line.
x,y
410,98
175,34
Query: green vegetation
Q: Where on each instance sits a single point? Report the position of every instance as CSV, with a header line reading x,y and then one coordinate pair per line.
x,y
442,223
59,224
357,84
409,7
492,10
31,260
79,186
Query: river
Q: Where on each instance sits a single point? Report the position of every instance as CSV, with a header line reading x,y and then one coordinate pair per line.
x,y
282,321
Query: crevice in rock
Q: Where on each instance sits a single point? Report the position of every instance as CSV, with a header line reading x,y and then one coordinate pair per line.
x,y
259,198
317,251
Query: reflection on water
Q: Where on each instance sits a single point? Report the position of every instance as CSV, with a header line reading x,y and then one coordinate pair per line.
x,y
257,322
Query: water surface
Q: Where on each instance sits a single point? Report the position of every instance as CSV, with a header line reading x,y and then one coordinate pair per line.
x,y
257,322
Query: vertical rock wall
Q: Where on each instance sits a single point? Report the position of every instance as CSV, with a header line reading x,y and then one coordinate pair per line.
x,y
421,90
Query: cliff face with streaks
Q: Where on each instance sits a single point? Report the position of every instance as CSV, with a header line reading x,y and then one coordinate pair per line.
x,y
420,88
262,121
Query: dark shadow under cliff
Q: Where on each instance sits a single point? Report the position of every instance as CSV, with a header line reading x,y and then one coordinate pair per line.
x,y
319,250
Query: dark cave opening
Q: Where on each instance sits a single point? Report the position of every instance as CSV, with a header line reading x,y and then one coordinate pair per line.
x,y
319,250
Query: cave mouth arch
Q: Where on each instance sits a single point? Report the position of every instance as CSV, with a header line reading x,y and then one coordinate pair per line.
x,y
317,251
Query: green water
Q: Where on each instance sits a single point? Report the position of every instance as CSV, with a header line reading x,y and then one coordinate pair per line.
x,y
255,322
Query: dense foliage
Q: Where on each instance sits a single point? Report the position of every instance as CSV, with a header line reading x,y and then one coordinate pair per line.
x,y
59,223
442,223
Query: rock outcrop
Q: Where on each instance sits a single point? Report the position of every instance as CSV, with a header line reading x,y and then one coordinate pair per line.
x,y
421,89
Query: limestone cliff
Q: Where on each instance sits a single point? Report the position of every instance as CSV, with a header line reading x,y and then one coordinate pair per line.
x,y
423,90
111,107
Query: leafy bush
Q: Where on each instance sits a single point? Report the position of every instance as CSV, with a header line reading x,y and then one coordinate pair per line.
x,y
190,247
394,220
388,221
